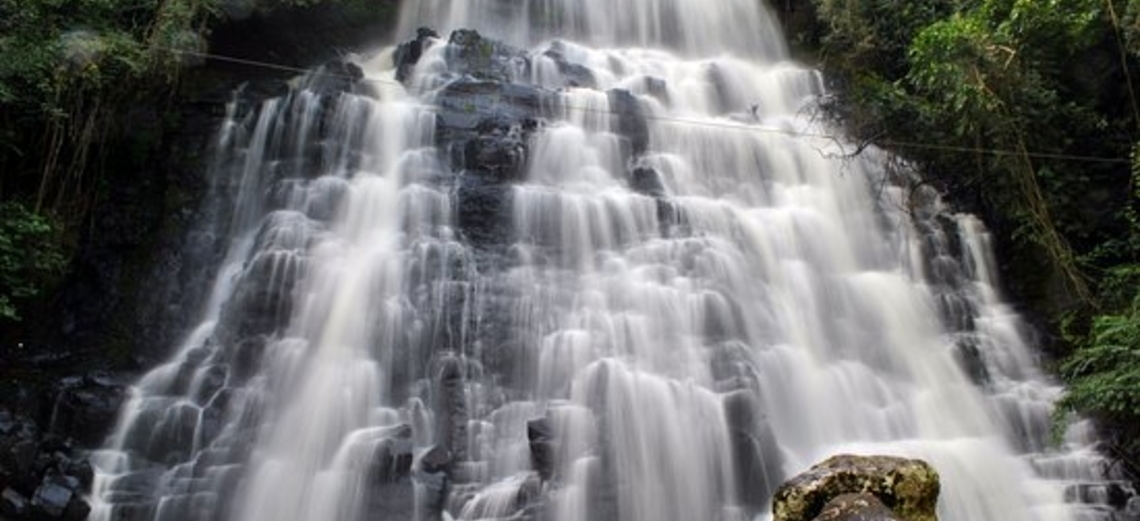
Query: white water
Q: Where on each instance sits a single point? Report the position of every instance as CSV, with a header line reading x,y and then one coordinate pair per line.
x,y
777,305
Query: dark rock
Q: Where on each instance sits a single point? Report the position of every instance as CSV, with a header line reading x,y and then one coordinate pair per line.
x,y
483,212
300,34
856,507
52,499
574,75
13,504
87,408
502,156
334,78
254,92
237,10
908,487
77,509
631,120
19,460
263,299
756,455
469,53
1114,494
540,436
972,361
436,459
409,53
82,471
469,107
394,455
1132,510
646,181
432,475
7,422
451,407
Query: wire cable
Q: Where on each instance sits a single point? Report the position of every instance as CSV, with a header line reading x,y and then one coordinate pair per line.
x,y
741,126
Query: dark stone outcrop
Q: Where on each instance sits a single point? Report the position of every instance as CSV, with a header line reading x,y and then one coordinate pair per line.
x,y
631,120
908,487
469,53
500,155
87,406
408,53
41,477
756,455
393,459
540,438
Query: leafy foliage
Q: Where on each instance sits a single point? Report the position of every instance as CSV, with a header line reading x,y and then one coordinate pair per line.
x,y
1104,373
74,77
1001,103
30,256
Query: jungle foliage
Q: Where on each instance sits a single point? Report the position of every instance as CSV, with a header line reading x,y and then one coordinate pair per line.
x,y
1024,111
69,71
75,75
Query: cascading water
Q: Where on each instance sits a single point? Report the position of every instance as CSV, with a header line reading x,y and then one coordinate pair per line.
x,y
619,276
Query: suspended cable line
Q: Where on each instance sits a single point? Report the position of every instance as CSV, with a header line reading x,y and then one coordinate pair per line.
x,y
733,125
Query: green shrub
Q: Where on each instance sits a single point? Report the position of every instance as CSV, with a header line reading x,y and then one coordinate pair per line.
x,y
31,257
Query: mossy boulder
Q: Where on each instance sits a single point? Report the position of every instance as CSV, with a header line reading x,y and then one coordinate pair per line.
x,y
908,487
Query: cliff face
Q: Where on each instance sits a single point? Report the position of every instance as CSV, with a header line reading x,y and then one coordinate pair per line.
x,y
150,245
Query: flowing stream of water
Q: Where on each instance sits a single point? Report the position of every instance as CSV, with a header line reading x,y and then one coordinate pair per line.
x,y
614,272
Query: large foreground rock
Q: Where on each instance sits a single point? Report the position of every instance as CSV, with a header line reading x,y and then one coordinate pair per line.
x,y
909,488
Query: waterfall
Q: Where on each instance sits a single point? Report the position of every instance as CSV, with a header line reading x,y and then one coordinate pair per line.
x,y
575,262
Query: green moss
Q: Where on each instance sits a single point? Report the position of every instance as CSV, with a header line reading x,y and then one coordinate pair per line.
x,y
908,487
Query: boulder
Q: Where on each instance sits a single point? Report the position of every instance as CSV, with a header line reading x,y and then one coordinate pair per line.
x,y
540,437
87,407
906,486
409,52
51,499
13,504
856,507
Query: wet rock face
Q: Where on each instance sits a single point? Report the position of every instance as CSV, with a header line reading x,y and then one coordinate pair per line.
x,y
908,488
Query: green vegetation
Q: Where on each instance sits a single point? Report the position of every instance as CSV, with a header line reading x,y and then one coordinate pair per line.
x,y
1024,111
29,256
77,77
69,72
